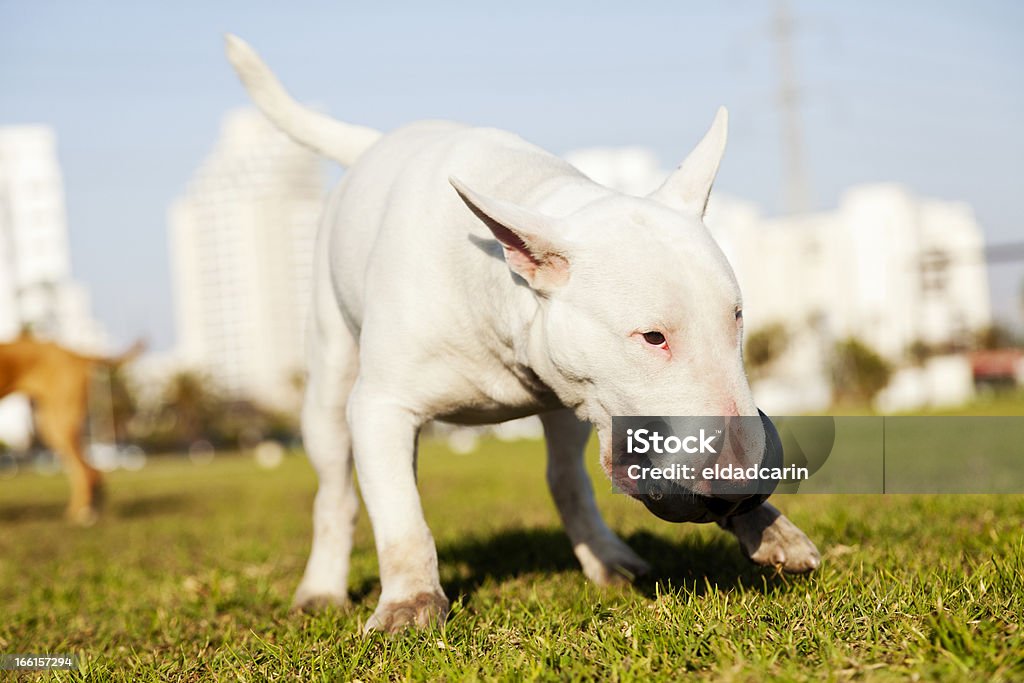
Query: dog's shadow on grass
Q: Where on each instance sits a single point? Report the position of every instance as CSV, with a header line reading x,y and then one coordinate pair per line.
x,y
694,563
24,512
149,506
133,508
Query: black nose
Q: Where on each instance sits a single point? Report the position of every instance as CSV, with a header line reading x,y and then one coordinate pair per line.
x,y
739,490
722,506
733,493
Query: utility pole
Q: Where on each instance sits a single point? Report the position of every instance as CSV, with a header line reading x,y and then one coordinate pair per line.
x,y
796,192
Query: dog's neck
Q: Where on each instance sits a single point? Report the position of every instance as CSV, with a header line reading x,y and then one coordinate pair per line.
x,y
521,315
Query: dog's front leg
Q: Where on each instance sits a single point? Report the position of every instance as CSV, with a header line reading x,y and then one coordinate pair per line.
x,y
603,555
768,538
384,443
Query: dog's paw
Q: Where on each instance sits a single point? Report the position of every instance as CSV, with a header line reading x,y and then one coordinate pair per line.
x,y
424,610
310,600
611,562
779,544
84,516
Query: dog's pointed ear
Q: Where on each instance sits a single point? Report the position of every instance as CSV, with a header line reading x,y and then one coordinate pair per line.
x,y
689,186
523,235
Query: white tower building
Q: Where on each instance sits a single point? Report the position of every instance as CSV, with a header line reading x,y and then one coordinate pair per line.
x,y
36,287
242,244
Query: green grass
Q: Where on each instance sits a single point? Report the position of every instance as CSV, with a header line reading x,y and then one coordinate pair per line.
x,y
189,577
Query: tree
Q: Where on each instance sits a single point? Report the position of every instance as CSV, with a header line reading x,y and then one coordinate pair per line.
x,y
993,337
123,403
764,347
920,351
858,372
191,408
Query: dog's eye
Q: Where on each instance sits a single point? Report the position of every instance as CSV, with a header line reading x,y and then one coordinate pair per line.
x,y
654,338
739,314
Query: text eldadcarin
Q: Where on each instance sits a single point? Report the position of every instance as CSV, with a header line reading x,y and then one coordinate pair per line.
x,y
647,442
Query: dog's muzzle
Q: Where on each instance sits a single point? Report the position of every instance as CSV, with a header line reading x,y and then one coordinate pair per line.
x,y
675,503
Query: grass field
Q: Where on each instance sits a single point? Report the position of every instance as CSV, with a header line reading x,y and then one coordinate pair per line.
x,y
190,574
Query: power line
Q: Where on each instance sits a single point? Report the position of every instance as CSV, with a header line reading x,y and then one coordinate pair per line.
x,y
797,196
1001,253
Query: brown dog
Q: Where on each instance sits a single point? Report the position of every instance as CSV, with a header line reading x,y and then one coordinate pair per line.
x,y
57,382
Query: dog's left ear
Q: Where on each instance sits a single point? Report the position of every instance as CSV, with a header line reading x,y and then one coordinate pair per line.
x,y
524,235
689,186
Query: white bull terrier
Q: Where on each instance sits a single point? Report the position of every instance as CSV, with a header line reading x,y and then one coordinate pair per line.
x,y
465,275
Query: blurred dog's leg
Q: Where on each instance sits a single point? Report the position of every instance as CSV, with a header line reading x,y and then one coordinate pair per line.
x,y
605,558
334,363
60,416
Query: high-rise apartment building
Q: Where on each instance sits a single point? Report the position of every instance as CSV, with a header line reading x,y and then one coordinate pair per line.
x,y
242,244
36,287
37,291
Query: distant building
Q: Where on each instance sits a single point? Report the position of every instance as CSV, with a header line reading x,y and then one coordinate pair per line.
x,y
37,290
36,287
886,267
241,246
891,269
633,170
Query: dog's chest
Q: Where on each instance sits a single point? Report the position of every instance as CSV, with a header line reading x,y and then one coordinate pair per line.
x,y
512,393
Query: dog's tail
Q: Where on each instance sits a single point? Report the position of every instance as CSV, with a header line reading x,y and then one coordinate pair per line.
x,y
340,141
133,352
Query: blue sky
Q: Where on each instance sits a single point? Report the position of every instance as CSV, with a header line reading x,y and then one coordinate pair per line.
x,y
930,94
